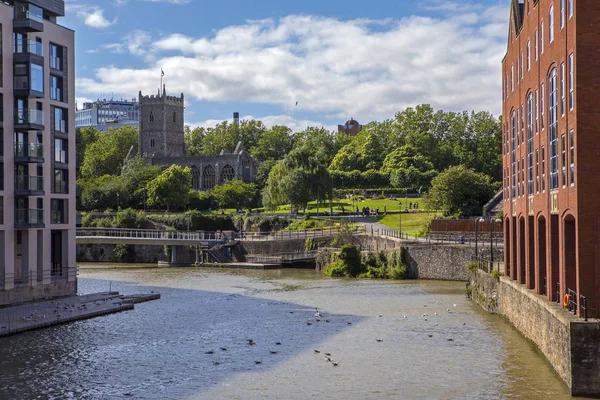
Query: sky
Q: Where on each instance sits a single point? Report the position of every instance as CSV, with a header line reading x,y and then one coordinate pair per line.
x,y
296,63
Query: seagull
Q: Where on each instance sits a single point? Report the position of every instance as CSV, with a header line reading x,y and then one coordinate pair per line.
x,y
327,354
380,315
291,312
450,339
308,323
273,352
404,315
349,323
430,335
317,351
447,309
327,359
434,313
335,364
379,340
251,342
296,103
278,343
223,348
257,362
454,305
210,352
318,314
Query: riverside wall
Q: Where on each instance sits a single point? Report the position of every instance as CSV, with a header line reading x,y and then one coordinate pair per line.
x,y
571,345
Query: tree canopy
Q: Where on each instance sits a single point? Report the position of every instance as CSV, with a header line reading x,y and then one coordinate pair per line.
x,y
106,155
170,188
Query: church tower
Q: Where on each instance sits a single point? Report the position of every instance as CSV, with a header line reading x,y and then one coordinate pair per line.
x,y
161,126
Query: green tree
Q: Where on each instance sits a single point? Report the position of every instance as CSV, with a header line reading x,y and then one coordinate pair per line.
x,y
103,192
170,188
106,155
273,144
317,138
225,136
347,159
234,193
461,192
194,139
135,176
86,136
273,194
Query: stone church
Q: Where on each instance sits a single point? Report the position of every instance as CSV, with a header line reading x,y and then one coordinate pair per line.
x,y
161,142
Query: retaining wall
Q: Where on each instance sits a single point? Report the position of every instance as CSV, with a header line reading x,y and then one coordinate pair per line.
x,y
39,292
570,344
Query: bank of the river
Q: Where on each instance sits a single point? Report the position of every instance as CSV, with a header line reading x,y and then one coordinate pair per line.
x,y
159,351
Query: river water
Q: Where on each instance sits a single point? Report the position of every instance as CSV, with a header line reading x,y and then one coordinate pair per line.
x,y
385,347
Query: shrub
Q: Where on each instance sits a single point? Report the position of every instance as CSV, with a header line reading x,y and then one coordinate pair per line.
x,y
336,269
351,256
122,252
398,272
129,218
497,274
472,266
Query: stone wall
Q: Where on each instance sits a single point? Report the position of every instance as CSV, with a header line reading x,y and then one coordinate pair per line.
x,y
39,292
104,253
571,345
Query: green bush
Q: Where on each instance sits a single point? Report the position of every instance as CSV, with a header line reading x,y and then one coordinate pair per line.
x,y
336,269
398,272
200,200
129,218
197,221
122,253
351,256
497,274
472,266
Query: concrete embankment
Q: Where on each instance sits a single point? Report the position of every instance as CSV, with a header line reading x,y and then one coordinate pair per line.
x,y
570,344
42,314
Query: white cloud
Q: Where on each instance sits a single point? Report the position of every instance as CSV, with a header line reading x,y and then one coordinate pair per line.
x,y
135,42
333,67
296,125
92,16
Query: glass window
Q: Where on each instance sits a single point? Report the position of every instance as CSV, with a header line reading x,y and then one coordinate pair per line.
x,y
60,119
528,55
562,89
56,84
61,181
572,157
56,57
542,37
542,107
543,169
562,14
570,8
551,25
537,171
530,144
37,78
571,72
535,45
513,161
59,208
563,161
60,151
553,128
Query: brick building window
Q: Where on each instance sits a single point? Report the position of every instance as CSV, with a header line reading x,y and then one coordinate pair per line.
x,y
543,169
563,161
562,89
537,171
537,112
562,14
530,144
542,107
570,8
513,153
512,78
535,45
541,37
551,25
522,123
553,128
528,55
572,157
571,72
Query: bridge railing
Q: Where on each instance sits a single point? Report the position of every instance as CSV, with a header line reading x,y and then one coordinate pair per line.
x,y
150,234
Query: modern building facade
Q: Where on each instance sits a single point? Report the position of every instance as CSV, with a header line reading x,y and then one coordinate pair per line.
x,y
551,153
37,162
106,114
162,142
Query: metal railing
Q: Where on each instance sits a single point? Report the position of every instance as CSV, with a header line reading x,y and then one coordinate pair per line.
x,y
151,234
29,216
29,11
28,46
572,304
282,258
590,307
557,292
29,116
30,183
35,150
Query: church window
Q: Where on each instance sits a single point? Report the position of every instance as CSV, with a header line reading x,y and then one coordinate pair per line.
x,y
174,117
208,177
195,178
246,172
152,143
151,116
227,173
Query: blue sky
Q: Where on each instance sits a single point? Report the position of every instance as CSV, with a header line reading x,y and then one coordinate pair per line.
x,y
337,59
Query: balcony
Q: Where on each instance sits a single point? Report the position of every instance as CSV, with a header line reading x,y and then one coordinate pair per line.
x,y
29,51
27,119
29,218
28,18
29,153
29,185
23,88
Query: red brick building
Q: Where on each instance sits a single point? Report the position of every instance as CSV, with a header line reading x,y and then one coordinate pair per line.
x,y
551,147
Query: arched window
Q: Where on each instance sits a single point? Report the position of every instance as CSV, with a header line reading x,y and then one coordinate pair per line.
x,y
208,177
227,173
246,170
151,116
195,178
174,116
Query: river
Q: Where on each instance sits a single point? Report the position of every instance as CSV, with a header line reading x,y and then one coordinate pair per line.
x,y
391,340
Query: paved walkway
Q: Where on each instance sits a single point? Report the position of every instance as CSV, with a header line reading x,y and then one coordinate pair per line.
x,y
30,316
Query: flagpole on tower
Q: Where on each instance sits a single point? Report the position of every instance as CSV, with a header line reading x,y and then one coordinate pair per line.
x,y
162,73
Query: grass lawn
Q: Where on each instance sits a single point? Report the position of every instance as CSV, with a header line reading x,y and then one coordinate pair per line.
x,y
411,222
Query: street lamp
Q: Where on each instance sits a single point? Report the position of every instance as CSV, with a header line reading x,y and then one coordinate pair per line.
x,y
400,217
492,222
477,221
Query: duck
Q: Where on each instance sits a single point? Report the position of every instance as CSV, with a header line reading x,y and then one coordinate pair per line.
x,y
335,363
316,351
251,342
318,314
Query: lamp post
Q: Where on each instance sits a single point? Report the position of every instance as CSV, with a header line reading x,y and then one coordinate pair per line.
x,y
492,224
400,217
477,221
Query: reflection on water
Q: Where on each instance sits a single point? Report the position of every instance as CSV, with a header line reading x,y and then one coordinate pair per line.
x,y
392,340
